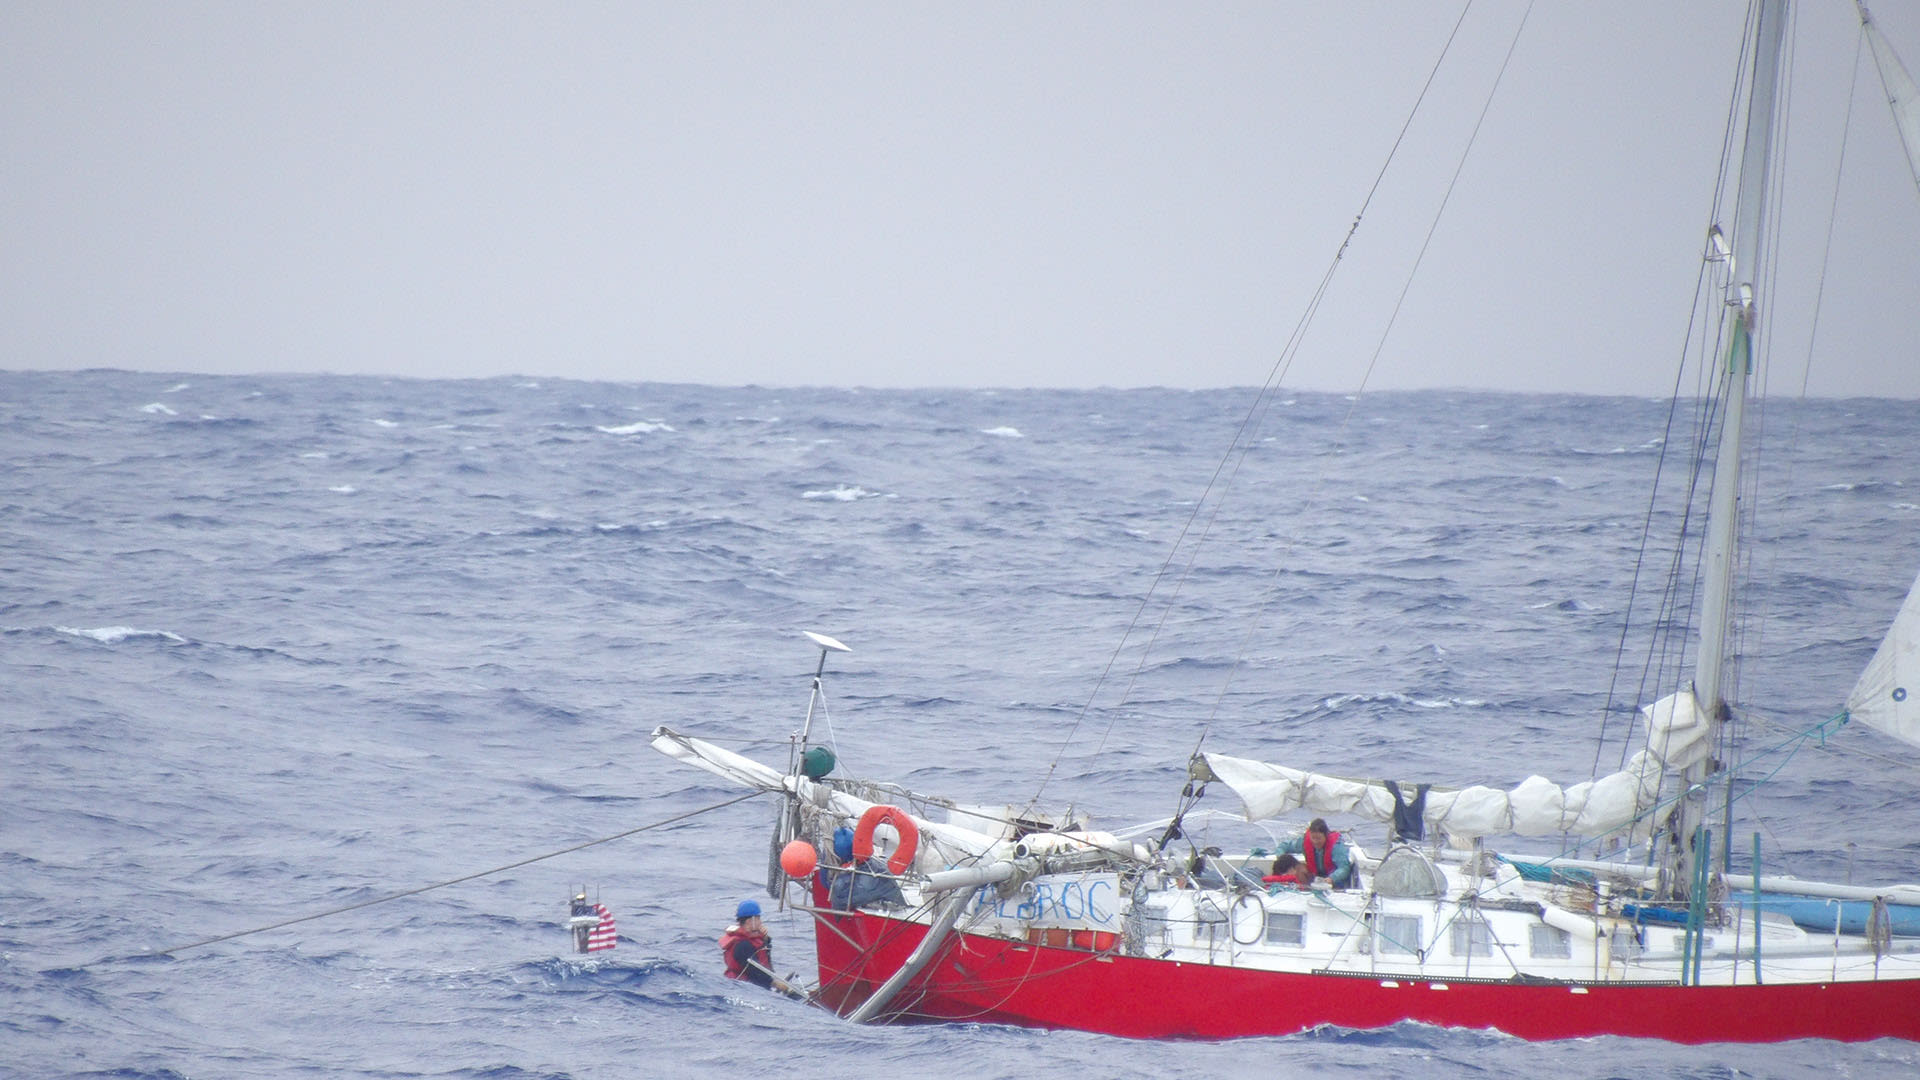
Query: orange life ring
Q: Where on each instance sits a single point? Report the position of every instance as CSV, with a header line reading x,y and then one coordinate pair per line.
x,y
876,816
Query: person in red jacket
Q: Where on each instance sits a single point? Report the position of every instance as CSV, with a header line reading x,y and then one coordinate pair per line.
x,y
1324,853
1288,870
748,950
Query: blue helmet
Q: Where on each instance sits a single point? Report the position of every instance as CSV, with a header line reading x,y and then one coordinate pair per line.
x,y
843,843
748,909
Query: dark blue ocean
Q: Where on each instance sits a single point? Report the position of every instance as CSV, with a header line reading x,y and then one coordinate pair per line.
x,y
276,645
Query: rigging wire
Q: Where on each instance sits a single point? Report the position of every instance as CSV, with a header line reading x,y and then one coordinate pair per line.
x,y
1653,670
1242,438
1833,215
1749,636
454,881
1386,333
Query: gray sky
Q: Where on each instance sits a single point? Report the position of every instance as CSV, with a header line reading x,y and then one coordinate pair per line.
x,y
915,194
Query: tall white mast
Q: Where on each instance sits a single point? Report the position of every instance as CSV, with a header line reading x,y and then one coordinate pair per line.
x,y
1739,326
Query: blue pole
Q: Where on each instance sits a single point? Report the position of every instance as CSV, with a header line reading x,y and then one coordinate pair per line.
x,y
1700,901
1757,981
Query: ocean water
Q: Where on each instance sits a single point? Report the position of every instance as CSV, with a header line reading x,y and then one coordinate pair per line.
x,y
276,646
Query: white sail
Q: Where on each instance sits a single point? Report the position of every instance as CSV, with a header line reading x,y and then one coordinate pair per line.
x,y
1902,95
941,845
1887,697
1615,803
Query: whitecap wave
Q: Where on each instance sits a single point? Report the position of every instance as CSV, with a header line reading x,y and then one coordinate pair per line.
x,y
842,493
158,409
176,388
1341,700
1569,604
1003,432
113,635
642,427
386,423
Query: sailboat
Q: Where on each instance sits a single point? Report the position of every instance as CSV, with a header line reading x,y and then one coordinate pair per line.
x,y
1001,912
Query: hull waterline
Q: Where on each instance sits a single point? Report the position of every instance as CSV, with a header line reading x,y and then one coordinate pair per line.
x,y
994,980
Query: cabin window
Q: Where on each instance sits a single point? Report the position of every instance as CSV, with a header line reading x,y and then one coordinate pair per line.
x,y
1286,928
1472,937
1398,934
1549,943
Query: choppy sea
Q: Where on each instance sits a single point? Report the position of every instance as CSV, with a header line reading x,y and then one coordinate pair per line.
x,y
272,646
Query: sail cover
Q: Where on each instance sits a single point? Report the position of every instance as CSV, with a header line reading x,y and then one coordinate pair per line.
x,y
1887,697
1615,803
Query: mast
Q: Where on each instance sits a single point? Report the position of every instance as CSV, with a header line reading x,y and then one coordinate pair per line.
x,y
1739,324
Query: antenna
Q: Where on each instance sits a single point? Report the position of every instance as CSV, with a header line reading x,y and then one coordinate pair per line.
x,y
827,645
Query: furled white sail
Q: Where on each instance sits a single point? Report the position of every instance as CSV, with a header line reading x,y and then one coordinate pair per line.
x,y
1902,95
1616,803
941,845
1887,696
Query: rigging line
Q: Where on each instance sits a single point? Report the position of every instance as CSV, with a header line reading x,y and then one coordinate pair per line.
x,y
455,881
1702,283
1672,646
1886,85
1242,437
1838,749
1749,640
1646,523
1452,182
1282,364
1820,285
1790,745
1661,642
1668,645
1346,421
1833,215
1386,333
826,717
1727,135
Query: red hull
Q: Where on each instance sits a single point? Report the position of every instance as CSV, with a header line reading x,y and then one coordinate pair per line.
x,y
992,980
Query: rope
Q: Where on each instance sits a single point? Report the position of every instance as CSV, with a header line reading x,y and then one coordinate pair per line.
x,y
1273,581
456,881
1243,441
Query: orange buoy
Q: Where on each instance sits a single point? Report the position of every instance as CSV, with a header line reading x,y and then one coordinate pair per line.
x,y
877,816
798,859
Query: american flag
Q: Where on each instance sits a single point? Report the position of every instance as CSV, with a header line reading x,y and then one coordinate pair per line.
x,y
602,936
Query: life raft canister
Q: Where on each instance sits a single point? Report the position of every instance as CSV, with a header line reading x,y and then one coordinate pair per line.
x,y
876,816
